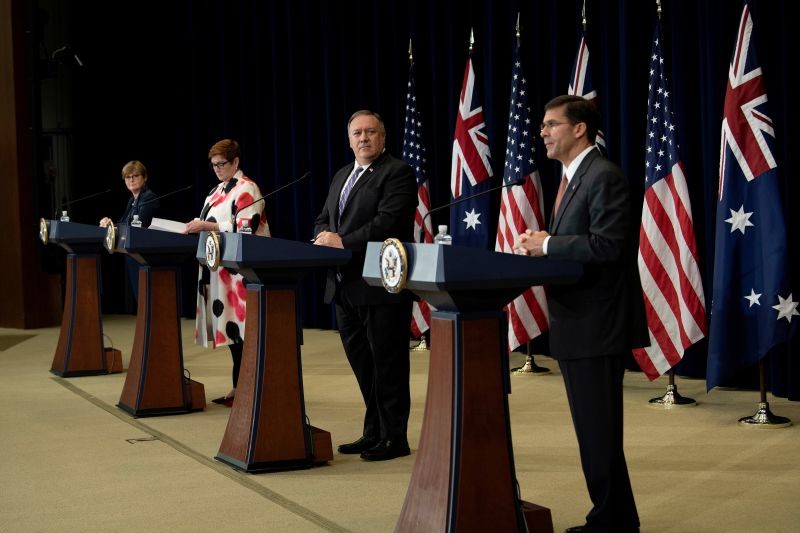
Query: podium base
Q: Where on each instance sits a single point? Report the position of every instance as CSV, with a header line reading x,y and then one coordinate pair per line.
x,y
322,452
322,446
197,395
113,360
537,518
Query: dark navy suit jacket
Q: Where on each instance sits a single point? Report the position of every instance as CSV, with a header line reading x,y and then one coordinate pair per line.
x,y
603,313
381,205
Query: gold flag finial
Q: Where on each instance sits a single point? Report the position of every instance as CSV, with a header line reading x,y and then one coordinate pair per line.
x,y
471,39
584,22
518,34
410,53
658,9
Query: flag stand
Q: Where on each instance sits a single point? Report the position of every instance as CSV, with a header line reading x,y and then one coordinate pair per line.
x,y
763,417
421,346
672,398
530,366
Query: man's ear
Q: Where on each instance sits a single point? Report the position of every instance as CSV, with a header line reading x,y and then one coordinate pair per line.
x,y
580,129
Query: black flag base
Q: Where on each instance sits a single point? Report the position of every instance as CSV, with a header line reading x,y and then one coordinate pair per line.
x,y
764,419
530,367
671,399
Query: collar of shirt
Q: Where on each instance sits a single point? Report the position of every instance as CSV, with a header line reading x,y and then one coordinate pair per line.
x,y
573,166
223,184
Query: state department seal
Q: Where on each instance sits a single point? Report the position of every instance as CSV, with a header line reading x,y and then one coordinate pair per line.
x,y
44,230
213,251
394,265
110,242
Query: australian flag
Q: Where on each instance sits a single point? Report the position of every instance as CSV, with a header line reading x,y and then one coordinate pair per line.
x,y
580,84
471,168
753,308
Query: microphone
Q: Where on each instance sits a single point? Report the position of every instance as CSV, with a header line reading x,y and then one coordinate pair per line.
x,y
236,213
82,199
519,181
176,191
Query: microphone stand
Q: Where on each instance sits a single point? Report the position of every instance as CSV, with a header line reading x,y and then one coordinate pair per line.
x,y
236,213
81,199
167,194
463,199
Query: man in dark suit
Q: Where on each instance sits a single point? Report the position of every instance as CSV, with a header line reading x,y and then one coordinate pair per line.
x,y
594,322
372,200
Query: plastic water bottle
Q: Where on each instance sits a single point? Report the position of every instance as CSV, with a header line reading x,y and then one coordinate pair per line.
x,y
136,223
246,227
64,216
443,237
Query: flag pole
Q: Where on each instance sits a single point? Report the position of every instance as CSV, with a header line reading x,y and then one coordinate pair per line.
x,y
530,366
763,417
584,22
671,397
422,345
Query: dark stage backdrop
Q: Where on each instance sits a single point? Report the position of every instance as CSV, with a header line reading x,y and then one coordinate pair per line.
x,y
161,81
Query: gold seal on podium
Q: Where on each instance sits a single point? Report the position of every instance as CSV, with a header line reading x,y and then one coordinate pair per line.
x,y
213,251
394,265
110,242
44,230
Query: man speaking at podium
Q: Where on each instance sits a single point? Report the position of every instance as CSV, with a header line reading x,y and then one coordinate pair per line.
x,y
371,200
594,323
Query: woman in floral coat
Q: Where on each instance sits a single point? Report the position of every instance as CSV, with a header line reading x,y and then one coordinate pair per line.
x,y
221,294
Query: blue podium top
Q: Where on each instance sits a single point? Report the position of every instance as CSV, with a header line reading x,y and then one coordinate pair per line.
x,y
75,237
268,259
460,278
155,247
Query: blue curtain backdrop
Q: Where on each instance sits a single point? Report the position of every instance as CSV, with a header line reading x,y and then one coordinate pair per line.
x,y
162,81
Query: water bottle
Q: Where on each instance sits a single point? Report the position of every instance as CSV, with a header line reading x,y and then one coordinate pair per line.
x,y
443,237
64,216
136,223
246,227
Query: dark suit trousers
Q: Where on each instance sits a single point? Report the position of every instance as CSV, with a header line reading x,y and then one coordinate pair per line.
x,y
594,391
375,339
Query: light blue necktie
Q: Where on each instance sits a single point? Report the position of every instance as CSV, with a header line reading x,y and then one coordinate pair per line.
x,y
348,186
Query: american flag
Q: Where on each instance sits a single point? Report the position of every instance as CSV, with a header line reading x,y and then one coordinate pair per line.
x,y
671,283
471,168
414,155
521,207
580,82
752,306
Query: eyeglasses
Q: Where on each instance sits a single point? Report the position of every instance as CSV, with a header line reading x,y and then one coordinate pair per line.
x,y
131,177
550,124
219,165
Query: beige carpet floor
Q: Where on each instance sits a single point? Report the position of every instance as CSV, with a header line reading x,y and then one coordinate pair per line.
x,y
72,461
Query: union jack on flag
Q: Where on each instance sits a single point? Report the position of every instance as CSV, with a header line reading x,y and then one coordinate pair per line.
x,y
471,167
521,207
752,306
580,83
414,155
671,283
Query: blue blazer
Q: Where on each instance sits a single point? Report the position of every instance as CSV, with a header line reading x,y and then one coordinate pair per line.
x,y
145,206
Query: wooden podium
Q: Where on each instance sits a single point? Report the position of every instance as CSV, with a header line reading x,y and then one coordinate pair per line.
x,y
80,349
267,429
463,478
157,383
